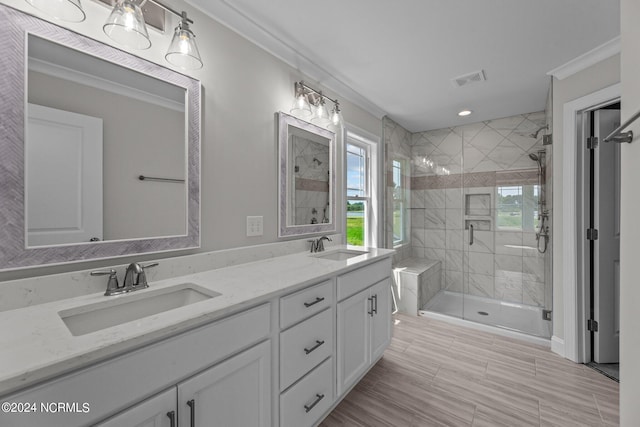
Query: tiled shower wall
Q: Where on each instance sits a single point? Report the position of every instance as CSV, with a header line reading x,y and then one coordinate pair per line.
x,y
502,264
311,197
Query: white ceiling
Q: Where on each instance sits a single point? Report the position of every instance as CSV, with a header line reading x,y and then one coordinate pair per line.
x,y
399,56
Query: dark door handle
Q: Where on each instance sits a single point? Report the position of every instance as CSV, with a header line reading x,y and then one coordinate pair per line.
x,y
319,397
309,350
172,418
192,405
370,306
375,307
309,304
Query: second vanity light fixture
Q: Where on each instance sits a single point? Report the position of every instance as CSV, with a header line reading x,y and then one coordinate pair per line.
x,y
311,103
127,27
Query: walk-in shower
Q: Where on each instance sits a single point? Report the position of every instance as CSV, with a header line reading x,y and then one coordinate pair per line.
x,y
480,231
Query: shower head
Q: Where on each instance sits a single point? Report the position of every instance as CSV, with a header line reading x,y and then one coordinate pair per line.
x,y
534,157
535,135
317,161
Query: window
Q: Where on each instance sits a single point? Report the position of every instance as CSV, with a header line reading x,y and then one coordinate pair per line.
x,y
358,200
399,202
517,207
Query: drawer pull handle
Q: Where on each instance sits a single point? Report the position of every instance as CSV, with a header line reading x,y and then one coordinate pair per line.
x,y
172,418
319,397
309,350
375,307
309,304
370,312
192,405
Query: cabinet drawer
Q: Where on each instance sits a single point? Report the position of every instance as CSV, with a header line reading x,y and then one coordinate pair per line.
x,y
305,303
357,280
303,404
304,346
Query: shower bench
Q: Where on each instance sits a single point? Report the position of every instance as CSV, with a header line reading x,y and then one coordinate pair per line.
x,y
417,280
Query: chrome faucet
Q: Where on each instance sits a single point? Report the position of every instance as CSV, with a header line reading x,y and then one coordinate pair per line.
x,y
318,244
134,278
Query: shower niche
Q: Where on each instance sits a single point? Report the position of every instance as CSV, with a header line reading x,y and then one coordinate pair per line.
x,y
478,211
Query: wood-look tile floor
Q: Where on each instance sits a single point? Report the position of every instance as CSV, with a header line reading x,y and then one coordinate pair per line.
x,y
438,374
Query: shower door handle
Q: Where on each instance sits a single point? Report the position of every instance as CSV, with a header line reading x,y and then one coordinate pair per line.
x,y
470,234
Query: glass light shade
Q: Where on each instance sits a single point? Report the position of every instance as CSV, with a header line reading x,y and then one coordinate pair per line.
x,y
336,117
126,25
321,115
301,106
65,10
183,51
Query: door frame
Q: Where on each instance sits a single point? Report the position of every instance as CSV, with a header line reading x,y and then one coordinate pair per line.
x,y
573,347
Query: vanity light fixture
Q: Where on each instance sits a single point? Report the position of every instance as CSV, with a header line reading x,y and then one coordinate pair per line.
x,y
311,102
465,113
65,10
126,26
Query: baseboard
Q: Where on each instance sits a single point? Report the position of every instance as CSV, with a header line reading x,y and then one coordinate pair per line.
x,y
557,345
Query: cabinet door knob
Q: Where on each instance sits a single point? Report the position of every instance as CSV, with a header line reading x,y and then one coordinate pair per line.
x,y
172,418
309,350
319,397
192,405
317,300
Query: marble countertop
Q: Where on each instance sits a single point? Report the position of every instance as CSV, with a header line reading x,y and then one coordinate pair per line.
x,y
35,344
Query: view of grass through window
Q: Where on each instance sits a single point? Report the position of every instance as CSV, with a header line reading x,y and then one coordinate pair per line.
x,y
357,196
517,207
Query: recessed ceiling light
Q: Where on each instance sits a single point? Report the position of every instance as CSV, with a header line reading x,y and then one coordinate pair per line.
x,y
464,113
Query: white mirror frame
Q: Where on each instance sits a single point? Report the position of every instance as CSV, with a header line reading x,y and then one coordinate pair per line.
x,y
284,230
14,253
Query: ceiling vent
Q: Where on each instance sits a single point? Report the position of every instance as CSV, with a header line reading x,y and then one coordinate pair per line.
x,y
467,79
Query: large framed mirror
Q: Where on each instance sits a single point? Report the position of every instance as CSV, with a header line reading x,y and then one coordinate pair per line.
x,y
307,177
100,149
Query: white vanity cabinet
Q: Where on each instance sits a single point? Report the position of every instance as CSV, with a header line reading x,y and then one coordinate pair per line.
x,y
113,386
307,352
158,411
363,321
236,392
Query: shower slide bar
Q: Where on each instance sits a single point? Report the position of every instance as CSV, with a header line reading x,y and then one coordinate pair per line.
x,y
619,136
150,178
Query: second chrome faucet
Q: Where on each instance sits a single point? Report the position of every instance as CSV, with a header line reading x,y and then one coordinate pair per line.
x,y
317,245
135,278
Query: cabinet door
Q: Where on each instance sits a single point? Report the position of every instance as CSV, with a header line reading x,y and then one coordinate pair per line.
x,y
236,392
158,411
353,339
381,320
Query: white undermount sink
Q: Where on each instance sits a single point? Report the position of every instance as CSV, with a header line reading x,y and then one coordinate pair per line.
x,y
126,308
340,255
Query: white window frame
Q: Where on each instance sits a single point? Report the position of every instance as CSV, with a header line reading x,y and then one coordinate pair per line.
x,y
373,214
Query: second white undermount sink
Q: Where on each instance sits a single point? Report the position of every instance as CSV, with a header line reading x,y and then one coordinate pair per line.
x,y
340,255
126,308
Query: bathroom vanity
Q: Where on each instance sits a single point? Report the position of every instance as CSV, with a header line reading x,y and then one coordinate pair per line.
x,y
273,342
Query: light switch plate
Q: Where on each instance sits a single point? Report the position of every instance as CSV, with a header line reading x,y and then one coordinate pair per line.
x,y
254,226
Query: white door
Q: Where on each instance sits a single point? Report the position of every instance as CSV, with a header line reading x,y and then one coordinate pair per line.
x,y
353,338
158,411
606,279
63,177
236,392
381,320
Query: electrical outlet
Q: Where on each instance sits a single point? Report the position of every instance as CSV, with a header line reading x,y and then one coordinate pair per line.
x,y
254,226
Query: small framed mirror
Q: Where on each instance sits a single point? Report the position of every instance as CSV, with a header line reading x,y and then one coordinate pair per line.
x,y
307,177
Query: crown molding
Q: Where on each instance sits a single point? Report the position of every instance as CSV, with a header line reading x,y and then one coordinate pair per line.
x,y
231,17
586,60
